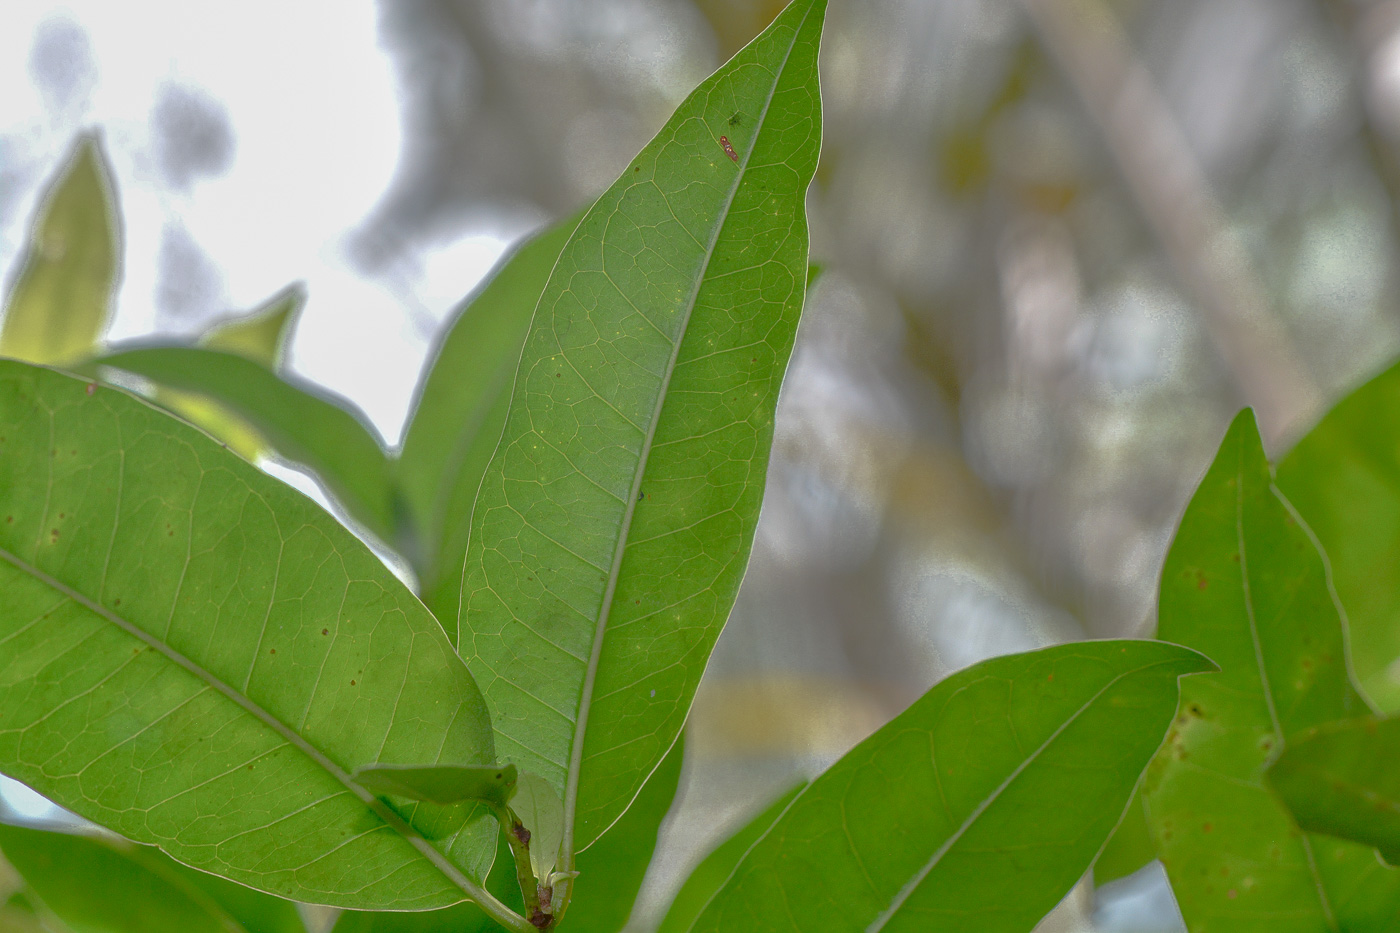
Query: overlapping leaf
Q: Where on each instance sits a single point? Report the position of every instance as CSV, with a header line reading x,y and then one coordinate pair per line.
x,y
614,522
196,656
1343,780
109,885
261,335
301,422
714,870
58,307
977,808
459,411
1344,478
611,870
1245,584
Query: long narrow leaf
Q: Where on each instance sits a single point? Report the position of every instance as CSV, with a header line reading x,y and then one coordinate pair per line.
x,y
977,808
1245,584
615,520
459,411
303,423
106,884
197,656
714,870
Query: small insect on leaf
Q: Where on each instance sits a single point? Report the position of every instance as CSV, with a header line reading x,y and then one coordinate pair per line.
x,y
728,149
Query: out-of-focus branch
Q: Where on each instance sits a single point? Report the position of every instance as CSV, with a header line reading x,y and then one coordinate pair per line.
x,y
1170,188
1365,30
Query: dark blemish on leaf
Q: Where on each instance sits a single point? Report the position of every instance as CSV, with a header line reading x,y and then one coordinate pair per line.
x,y
325,631
54,532
352,683
1201,584
91,388
1049,677
117,601
540,919
272,651
521,833
61,515
737,118
1235,557
637,169
728,149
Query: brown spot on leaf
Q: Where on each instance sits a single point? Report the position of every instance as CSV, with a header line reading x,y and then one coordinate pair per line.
x,y
325,631
91,388
1202,583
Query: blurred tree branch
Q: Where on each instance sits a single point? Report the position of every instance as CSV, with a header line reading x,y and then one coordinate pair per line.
x,y
1165,179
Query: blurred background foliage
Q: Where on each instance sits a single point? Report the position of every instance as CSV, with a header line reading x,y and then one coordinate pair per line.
x,y
1063,240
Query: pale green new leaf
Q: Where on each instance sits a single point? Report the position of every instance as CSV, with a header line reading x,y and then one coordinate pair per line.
x,y
614,523
1245,584
101,884
58,307
537,806
459,411
197,656
977,808
440,783
1343,780
714,870
302,422
261,336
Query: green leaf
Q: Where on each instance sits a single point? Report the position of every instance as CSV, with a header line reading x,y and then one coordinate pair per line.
x,y
440,783
611,870
302,422
1344,479
1129,849
462,918
197,656
977,808
538,807
614,523
112,886
460,410
1343,779
62,297
711,874
1245,584
261,336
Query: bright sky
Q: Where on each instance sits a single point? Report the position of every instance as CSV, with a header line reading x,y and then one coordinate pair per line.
x,y
311,99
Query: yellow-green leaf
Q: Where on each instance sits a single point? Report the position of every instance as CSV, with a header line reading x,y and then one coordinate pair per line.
x,y
61,300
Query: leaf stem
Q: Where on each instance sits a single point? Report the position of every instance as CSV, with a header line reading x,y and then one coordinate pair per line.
x,y
538,914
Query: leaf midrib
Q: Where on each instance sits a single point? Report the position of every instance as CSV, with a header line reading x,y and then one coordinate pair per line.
x,y
380,809
1265,685
918,877
600,629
